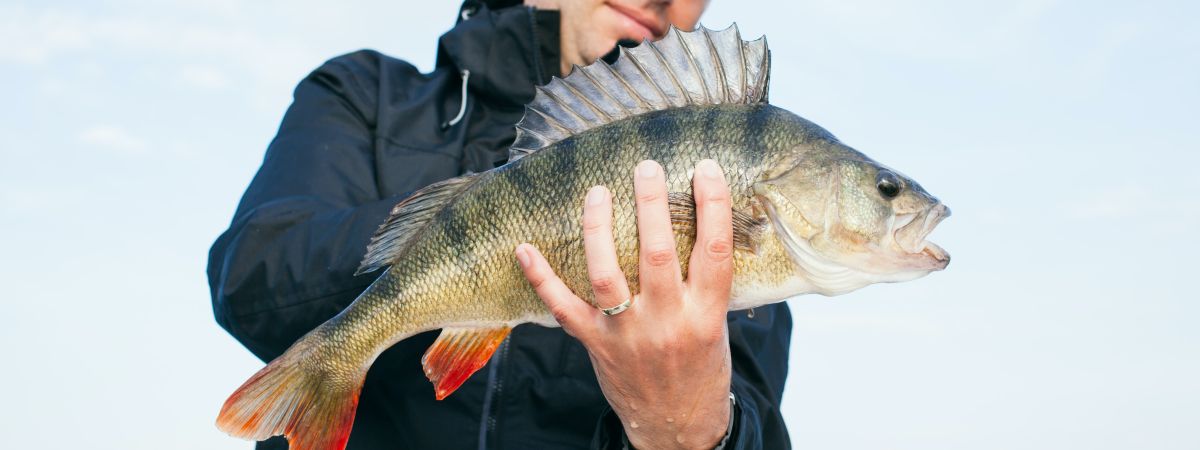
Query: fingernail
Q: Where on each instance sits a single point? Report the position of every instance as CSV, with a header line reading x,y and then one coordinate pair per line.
x,y
708,169
595,195
647,169
523,255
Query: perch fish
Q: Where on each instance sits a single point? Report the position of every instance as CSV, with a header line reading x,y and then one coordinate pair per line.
x,y
811,215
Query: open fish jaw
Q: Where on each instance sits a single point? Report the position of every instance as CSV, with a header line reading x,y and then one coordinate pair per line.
x,y
911,232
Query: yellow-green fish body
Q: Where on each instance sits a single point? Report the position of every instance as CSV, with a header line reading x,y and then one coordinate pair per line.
x,y
811,216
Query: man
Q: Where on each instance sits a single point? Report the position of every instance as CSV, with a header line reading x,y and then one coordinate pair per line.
x,y
365,130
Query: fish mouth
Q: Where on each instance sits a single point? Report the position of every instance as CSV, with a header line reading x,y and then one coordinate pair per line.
x,y
910,232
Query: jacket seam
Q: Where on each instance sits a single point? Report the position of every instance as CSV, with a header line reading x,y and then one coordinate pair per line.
x,y
339,71
303,302
536,48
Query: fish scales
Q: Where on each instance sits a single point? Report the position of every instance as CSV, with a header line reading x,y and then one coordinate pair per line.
x,y
464,272
811,215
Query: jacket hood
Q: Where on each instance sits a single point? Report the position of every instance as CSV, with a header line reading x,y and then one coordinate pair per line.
x,y
509,49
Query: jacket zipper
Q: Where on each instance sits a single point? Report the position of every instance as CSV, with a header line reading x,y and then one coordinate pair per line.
x,y
487,421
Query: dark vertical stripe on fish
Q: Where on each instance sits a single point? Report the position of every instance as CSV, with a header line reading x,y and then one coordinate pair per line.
x,y
456,228
567,158
662,134
756,125
712,126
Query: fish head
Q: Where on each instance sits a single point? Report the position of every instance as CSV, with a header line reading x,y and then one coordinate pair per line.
x,y
847,221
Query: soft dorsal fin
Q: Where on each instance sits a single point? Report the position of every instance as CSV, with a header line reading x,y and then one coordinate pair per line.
x,y
702,67
406,221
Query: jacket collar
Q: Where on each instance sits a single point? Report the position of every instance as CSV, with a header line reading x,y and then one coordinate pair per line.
x,y
508,50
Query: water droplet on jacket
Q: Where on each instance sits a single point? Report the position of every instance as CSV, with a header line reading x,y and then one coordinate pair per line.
x,y
751,313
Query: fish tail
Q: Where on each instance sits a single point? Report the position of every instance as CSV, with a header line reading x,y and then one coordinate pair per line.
x,y
299,396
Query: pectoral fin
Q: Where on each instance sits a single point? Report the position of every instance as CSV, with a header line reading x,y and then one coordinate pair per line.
x,y
457,353
747,229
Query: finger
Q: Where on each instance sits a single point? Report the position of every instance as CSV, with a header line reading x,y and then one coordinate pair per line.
x,y
576,316
609,287
658,265
710,270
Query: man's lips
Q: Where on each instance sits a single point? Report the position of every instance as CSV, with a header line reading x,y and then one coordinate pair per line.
x,y
654,27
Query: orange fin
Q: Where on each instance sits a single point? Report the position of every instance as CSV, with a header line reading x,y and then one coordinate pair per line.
x,y
313,409
457,353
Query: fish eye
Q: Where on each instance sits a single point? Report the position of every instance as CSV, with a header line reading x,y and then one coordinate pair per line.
x,y
888,184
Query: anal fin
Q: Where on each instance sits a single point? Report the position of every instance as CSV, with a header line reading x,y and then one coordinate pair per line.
x,y
457,353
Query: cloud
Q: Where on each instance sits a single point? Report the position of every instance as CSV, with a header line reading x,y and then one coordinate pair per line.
x,y
834,323
34,38
920,29
1114,203
1159,209
113,138
204,77
207,52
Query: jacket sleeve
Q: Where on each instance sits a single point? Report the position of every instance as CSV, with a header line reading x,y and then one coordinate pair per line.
x,y
286,263
759,345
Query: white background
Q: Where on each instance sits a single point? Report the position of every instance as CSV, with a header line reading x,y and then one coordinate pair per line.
x,y
1063,133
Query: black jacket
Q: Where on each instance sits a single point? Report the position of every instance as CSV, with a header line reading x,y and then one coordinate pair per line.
x,y
364,131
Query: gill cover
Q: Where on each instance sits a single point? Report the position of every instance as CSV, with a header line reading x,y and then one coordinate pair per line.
x,y
847,221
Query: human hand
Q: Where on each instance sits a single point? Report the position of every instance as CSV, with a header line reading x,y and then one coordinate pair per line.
x,y
663,364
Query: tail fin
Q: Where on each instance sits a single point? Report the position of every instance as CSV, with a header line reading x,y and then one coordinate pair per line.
x,y
296,397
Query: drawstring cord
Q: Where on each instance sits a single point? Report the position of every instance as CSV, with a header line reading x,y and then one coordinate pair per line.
x,y
462,107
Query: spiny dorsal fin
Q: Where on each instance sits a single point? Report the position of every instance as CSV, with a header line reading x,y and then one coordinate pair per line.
x,y
702,67
407,219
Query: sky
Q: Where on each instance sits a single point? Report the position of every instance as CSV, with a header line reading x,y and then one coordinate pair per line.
x,y
1062,133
